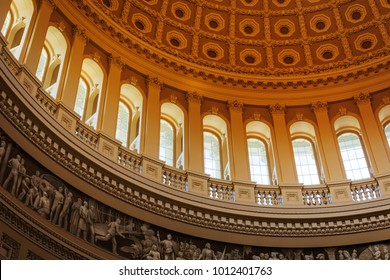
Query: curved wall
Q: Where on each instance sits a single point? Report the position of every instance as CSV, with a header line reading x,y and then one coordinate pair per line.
x,y
284,215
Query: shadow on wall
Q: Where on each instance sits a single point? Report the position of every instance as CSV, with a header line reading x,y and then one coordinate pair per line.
x,y
130,238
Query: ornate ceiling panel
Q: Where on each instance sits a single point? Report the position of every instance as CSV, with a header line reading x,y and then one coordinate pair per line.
x,y
264,38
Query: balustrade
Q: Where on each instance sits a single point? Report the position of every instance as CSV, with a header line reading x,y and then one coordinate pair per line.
x,y
316,196
129,160
174,178
87,135
267,196
366,190
222,190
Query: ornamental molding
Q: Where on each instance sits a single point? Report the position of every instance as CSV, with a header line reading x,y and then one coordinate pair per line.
x,y
154,82
258,77
194,97
80,33
116,60
235,105
362,98
277,109
319,107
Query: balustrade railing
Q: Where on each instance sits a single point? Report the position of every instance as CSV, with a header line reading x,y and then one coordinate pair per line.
x,y
86,134
174,178
268,196
129,160
46,101
316,196
221,190
365,190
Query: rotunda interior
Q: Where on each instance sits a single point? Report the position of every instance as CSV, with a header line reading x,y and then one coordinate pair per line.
x,y
151,129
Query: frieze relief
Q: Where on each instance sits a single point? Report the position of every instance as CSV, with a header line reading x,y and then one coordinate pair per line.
x,y
68,209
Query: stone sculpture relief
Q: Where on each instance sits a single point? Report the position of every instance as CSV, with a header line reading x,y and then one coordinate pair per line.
x,y
70,210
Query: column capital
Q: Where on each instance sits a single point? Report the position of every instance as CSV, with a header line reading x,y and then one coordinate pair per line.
x,y
194,97
154,82
235,105
80,33
277,109
362,98
115,60
319,107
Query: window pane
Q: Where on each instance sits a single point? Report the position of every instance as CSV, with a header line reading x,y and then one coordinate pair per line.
x,y
42,65
80,99
355,163
6,24
122,125
387,132
258,161
212,157
166,142
305,162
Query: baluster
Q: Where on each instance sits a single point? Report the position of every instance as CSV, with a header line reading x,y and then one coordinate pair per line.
x,y
363,195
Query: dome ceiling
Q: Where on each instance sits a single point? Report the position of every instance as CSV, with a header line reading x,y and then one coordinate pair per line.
x,y
262,38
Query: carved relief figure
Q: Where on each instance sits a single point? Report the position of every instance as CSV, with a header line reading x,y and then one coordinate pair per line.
x,y
2,151
207,253
91,219
44,205
58,201
14,163
82,226
167,247
75,216
112,231
64,215
21,175
153,254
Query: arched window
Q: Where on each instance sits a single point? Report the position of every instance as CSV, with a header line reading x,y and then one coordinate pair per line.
x,y
18,38
42,65
81,98
167,142
258,161
6,25
212,156
123,122
355,163
387,133
305,162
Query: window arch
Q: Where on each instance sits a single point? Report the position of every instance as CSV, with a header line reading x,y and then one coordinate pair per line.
x,y
7,24
54,52
216,161
354,159
212,155
260,153
172,135
384,118
305,161
21,13
306,153
88,94
167,133
123,124
258,161
43,64
130,98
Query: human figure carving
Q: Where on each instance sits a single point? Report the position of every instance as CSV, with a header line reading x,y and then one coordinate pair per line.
x,y
24,188
21,175
91,219
44,205
207,253
2,151
75,216
58,201
112,231
64,215
31,196
82,226
167,247
153,254
14,163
